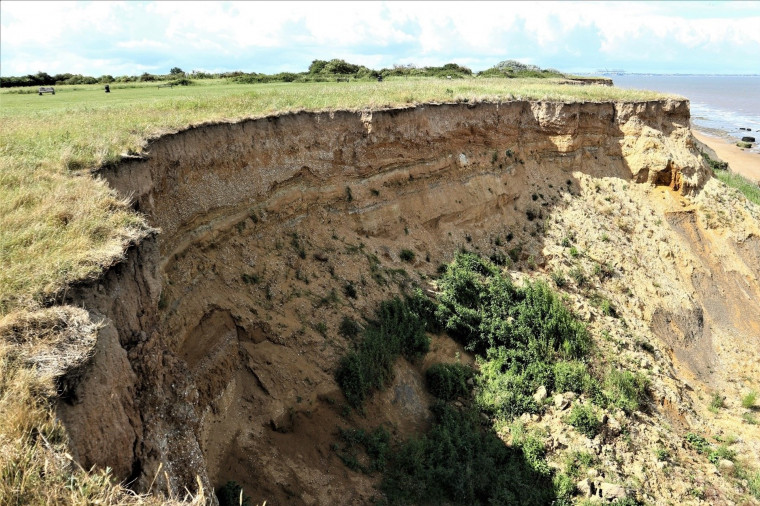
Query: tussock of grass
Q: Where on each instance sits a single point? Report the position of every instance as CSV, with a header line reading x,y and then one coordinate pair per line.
x,y
744,185
57,226
35,467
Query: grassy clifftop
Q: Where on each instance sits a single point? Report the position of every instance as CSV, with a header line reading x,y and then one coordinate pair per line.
x,y
58,224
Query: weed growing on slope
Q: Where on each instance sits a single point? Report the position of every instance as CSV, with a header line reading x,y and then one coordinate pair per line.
x,y
748,401
397,331
448,381
374,444
584,418
458,463
625,390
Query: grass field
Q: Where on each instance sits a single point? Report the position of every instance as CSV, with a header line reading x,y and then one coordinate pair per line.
x,y
58,224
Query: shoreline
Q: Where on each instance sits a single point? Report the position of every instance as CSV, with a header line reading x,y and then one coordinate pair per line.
x,y
739,161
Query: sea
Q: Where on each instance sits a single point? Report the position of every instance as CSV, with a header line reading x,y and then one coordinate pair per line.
x,y
721,105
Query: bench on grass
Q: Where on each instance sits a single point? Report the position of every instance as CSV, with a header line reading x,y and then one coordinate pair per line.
x,y
46,89
342,79
167,85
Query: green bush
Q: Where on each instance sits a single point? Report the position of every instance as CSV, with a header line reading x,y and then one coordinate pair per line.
x,y
407,255
349,290
518,332
716,403
577,462
397,331
583,417
375,445
625,390
559,278
448,381
349,328
573,376
748,401
425,308
698,442
458,463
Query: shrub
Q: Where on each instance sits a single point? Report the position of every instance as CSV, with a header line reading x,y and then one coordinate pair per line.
x,y
407,255
583,418
183,81
559,278
579,276
448,381
397,331
458,463
519,332
716,403
349,328
662,454
374,444
577,462
251,278
498,258
625,390
349,290
425,308
748,401
573,376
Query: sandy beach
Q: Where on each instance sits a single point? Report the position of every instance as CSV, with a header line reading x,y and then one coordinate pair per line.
x,y
742,162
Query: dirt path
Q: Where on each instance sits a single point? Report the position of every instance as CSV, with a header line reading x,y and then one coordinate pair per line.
x,y
745,163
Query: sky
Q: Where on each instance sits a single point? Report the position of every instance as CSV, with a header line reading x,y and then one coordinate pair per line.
x,y
131,37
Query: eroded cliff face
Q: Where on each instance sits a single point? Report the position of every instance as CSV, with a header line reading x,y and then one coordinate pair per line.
x,y
222,330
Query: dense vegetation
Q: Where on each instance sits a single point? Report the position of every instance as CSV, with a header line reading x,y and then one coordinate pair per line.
x,y
525,339
458,462
318,71
396,331
524,336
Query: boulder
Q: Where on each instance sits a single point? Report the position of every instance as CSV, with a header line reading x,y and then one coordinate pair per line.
x,y
748,139
726,467
612,492
585,488
540,394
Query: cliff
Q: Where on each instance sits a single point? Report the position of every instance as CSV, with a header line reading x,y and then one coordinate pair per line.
x,y
220,332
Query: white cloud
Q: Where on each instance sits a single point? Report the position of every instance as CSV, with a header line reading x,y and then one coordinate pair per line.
x,y
230,34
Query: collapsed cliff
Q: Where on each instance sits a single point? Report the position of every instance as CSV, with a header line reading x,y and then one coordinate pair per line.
x,y
220,332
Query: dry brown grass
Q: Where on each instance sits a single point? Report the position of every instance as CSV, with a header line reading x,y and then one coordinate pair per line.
x,y
35,466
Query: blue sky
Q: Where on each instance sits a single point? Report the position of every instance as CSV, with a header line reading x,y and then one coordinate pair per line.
x,y
117,38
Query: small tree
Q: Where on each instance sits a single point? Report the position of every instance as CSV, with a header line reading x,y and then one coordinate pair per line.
x,y
317,66
176,71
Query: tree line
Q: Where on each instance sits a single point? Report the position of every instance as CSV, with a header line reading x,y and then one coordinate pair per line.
x,y
318,71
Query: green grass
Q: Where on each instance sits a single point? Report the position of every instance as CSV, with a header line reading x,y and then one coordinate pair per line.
x,y
584,418
58,225
744,185
748,401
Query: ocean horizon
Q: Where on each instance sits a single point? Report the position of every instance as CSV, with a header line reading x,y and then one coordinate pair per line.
x,y
723,105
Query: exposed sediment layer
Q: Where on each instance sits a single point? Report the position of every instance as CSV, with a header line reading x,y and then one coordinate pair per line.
x,y
214,374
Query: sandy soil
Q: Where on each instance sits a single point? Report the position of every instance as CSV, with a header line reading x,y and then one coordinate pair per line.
x,y
743,162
